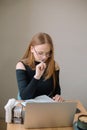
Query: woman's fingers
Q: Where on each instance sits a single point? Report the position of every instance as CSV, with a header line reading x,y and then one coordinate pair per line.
x,y
58,98
40,68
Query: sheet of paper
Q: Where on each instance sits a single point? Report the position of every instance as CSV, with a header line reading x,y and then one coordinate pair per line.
x,y
38,99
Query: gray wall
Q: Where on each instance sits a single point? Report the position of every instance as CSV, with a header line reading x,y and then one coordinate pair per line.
x,y
65,21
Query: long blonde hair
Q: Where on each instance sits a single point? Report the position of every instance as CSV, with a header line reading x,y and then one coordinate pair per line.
x,y
28,58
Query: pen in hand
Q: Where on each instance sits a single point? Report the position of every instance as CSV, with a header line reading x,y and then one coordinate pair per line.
x,y
40,68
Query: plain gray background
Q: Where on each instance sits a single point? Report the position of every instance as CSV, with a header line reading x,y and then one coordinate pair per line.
x,y
65,21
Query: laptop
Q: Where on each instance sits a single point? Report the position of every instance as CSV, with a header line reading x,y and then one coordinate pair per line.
x,y
49,115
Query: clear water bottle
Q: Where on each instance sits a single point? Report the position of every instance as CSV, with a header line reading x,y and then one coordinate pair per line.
x,y
17,115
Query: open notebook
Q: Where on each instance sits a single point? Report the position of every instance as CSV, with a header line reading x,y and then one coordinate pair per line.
x,y
38,99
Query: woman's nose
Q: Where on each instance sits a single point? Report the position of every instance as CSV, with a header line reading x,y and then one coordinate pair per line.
x,y
44,58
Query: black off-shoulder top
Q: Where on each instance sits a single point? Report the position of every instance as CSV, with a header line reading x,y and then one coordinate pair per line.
x,y
29,87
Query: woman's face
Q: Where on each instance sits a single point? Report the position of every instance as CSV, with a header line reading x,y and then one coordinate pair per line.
x,y
41,52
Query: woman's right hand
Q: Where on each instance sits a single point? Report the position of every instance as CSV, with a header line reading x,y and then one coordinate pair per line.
x,y
40,68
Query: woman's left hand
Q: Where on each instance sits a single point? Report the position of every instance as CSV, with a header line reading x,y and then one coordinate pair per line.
x,y
58,98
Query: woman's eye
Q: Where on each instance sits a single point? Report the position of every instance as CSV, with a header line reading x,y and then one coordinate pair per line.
x,y
40,53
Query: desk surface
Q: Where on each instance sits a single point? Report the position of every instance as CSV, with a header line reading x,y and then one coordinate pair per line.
x,y
21,126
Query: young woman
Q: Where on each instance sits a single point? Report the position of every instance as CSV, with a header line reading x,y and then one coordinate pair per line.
x,y
37,72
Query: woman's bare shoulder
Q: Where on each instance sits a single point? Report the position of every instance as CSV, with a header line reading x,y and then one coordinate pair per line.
x,y
20,65
57,66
